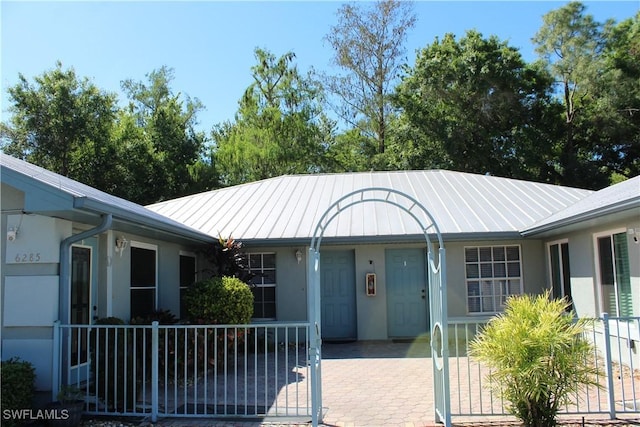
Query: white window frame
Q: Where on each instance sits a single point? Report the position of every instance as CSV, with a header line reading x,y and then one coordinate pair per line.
x,y
273,285
152,247
596,263
558,242
479,279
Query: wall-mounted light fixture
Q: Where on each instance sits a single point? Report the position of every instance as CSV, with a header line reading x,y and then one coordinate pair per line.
x,y
12,234
634,233
121,244
299,256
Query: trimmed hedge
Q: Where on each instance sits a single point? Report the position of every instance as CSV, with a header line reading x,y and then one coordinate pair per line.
x,y
18,386
219,301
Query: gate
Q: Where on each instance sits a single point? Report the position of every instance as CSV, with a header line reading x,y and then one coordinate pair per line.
x,y
437,295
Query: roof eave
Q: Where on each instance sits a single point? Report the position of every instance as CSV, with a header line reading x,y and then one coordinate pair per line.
x,y
387,239
621,206
142,221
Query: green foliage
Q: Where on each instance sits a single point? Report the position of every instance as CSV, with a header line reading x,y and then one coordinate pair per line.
x,y
112,364
570,45
218,301
474,105
163,317
169,141
615,116
368,43
69,394
538,356
276,130
63,123
145,152
18,385
228,258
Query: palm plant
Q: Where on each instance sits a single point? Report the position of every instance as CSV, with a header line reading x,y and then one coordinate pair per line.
x,y
538,357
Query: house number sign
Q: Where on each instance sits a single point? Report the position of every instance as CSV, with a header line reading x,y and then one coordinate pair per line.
x,y
27,257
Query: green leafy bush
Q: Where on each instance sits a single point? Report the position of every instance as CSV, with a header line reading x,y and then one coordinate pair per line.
x,y
18,386
113,364
163,317
219,301
228,259
538,357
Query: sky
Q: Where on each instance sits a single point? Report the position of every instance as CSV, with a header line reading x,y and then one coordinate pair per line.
x,y
210,44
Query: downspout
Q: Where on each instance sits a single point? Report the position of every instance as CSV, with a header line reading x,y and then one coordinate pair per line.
x,y
64,297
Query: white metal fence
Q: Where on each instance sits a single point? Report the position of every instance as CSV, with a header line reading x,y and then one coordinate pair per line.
x,y
263,370
615,354
186,370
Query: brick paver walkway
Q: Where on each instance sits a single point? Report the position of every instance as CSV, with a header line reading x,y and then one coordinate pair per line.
x,y
378,384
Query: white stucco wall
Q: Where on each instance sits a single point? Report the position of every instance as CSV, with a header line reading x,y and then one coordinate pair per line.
x,y
582,262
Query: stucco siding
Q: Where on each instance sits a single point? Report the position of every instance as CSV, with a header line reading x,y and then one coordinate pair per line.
x,y
371,311
582,262
168,275
533,270
291,278
36,351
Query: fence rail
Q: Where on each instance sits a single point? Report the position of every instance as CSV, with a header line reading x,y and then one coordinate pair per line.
x,y
186,370
263,370
614,354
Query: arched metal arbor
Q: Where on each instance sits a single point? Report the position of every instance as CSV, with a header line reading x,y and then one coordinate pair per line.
x,y
437,294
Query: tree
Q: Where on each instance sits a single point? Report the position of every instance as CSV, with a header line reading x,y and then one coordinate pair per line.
x,y
276,129
168,122
615,116
570,45
62,123
368,43
474,105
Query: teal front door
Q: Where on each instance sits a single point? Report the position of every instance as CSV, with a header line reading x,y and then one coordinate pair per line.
x,y
338,298
407,297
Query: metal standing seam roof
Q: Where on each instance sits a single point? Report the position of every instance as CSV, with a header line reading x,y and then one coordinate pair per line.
x,y
287,208
622,196
90,199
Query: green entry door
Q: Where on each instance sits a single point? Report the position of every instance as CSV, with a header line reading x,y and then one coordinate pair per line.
x,y
338,295
406,292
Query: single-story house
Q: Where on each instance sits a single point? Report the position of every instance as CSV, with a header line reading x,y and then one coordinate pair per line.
x,y
74,254
502,237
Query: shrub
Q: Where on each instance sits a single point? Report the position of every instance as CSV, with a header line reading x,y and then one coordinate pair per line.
x,y
219,301
538,356
228,259
112,364
18,386
163,317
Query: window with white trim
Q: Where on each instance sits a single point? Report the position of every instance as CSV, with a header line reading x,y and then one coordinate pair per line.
x,y
614,276
263,268
144,279
493,274
560,275
187,276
